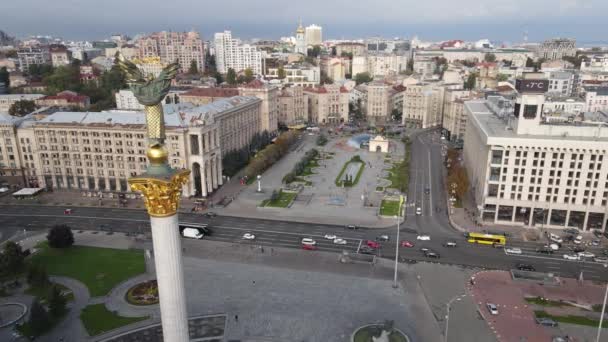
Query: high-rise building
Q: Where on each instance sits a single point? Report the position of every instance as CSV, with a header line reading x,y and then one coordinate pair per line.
x,y
557,48
313,35
183,47
33,55
230,53
300,40
530,169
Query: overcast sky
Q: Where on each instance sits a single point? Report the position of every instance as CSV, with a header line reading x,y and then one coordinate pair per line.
x,y
430,19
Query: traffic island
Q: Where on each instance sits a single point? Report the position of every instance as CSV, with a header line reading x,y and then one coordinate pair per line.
x,y
351,172
97,319
145,293
380,332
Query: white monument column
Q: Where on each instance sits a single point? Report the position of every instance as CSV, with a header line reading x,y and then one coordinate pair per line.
x,y
170,277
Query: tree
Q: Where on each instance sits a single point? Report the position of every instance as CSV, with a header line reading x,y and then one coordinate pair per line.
x,y
281,73
37,276
410,66
363,77
249,75
325,79
274,196
396,114
218,78
65,77
575,60
346,54
11,258
5,77
489,57
39,319
469,84
40,70
193,70
231,77
60,236
314,52
22,107
57,302
502,77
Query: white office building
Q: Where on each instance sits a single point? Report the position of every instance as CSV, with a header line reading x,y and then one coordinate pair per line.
x,y
313,35
533,170
230,53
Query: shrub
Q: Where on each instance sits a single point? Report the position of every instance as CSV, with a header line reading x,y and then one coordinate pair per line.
x,y
39,318
356,158
60,236
57,302
290,177
37,276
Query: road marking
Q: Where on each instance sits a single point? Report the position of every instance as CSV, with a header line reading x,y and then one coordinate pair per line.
x,y
430,185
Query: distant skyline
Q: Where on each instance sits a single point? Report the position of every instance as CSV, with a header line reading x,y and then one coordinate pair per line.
x,y
271,19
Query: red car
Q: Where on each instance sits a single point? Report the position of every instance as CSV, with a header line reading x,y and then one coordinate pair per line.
x,y
309,247
372,244
407,244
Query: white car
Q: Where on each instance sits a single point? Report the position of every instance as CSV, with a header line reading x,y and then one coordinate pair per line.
x,y
423,237
492,308
555,238
513,250
330,237
586,255
418,211
578,240
3,189
571,257
309,241
554,246
248,236
340,241
601,260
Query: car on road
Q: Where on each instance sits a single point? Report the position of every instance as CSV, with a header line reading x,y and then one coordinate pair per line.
x,y
3,189
601,260
554,246
309,247
339,241
418,211
568,238
366,250
577,249
546,321
513,250
571,257
423,238
492,308
330,236
424,249
573,231
382,237
555,238
588,255
372,244
544,250
597,233
192,233
406,244
449,244
431,254
595,242
351,226
308,241
578,240
248,236
427,190
210,214
525,267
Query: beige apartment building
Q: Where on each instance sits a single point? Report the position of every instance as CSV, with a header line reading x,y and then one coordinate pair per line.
x,y
293,107
99,151
6,101
183,47
327,104
535,171
269,94
202,96
423,105
378,108
454,121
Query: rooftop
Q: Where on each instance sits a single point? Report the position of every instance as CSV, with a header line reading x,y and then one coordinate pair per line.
x,y
212,92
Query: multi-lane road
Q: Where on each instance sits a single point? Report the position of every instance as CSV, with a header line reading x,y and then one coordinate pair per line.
x,y
425,173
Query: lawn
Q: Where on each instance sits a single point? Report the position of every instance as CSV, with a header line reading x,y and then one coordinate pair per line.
x,y
399,176
544,302
44,292
389,208
579,320
285,198
100,269
339,181
97,319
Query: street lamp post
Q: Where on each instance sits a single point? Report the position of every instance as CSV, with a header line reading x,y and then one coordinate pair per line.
x,y
397,242
447,314
259,183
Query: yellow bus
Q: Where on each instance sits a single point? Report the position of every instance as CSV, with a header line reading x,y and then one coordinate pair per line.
x,y
487,239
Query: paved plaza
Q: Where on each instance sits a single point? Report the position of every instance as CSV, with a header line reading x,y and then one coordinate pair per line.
x,y
324,201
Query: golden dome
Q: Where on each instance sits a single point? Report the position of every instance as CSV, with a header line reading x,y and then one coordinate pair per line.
x,y
300,28
157,154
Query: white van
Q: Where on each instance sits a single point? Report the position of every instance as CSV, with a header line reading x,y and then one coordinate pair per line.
x,y
555,238
192,233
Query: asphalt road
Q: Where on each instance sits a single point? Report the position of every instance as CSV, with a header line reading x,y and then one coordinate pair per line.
x,y
426,171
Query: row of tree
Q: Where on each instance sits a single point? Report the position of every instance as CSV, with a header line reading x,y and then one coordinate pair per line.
x,y
458,181
235,160
301,166
271,154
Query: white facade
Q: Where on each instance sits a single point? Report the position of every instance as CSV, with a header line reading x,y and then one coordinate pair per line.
x,y
183,47
6,101
563,83
423,105
313,35
33,55
126,100
231,54
596,99
557,48
525,170
563,105
595,63
379,64
300,40
299,74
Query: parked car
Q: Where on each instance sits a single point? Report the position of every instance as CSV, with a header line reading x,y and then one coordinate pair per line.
x,y
351,226
431,254
601,260
366,250
554,246
513,250
372,244
340,241
595,242
546,321
427,190
210,214
423,237
525,267
330,236
418,211
555,238
248,236
492,308
578,240
573,231
569,238
382,237
449,244
308,241
309,247
577,249
544,250
407,244
597,233
571,257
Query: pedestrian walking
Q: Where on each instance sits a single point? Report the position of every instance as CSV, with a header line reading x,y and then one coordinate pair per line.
x,y
236,318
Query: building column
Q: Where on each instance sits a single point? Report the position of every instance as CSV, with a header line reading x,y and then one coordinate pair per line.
x,y
567,221
548,218
513,214
218,165
54,179
207,180
213,174
96,180
65,181
75,179
531,217
585,221
107,179
495,214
